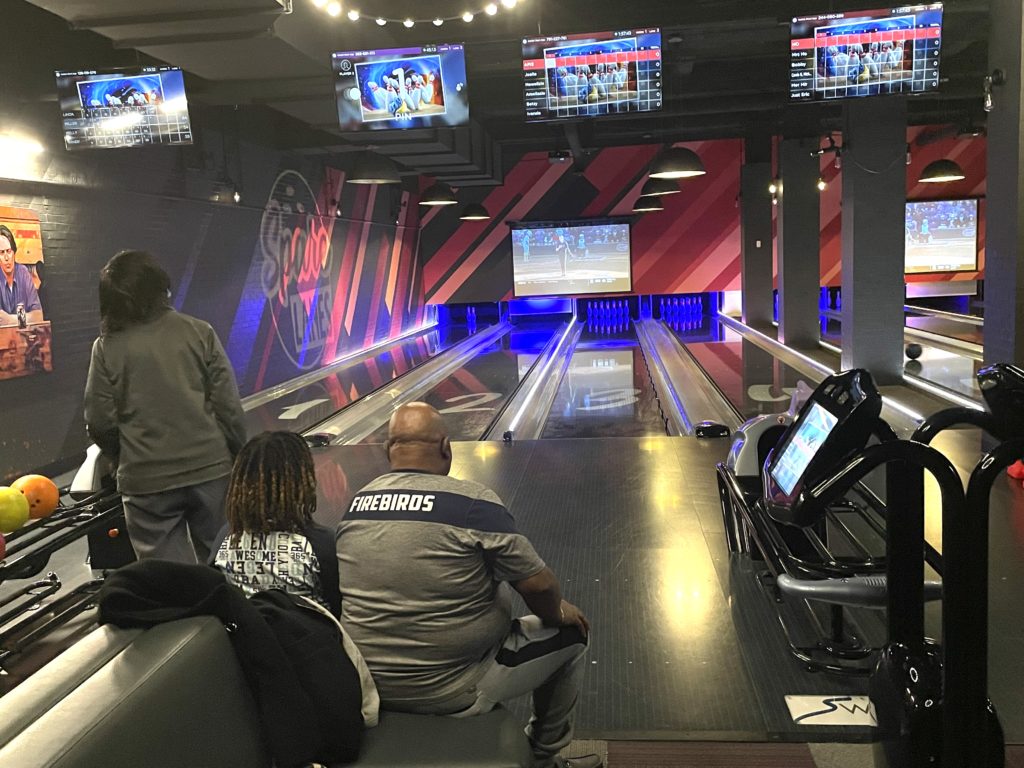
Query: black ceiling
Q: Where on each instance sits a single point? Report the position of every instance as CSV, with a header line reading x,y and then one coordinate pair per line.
x,y
726,67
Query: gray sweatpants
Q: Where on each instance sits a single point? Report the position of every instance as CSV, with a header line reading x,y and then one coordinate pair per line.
x,y
181,524
547,661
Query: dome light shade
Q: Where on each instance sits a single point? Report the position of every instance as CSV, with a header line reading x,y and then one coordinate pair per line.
x,y
677,163
474,212
940,172
647,204
438,194
371,168
659,187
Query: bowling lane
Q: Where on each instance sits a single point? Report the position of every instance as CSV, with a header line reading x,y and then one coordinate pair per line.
x,y
473,396
945,326
296,406
947,367
606,391
752,379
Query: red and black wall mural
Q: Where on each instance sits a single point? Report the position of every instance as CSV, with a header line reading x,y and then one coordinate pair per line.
x,y
691,246
969,152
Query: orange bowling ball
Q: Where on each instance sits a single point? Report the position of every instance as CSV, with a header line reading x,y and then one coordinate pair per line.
x,y
41,492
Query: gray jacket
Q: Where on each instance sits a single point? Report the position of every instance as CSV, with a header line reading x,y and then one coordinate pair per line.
x,y
161,397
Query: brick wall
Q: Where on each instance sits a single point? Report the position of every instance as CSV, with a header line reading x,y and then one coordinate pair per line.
x,y
223,258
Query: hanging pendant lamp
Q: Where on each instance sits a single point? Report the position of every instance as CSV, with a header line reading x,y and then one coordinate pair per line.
x,y
941,171
677,163
474,212
659,187
647,204
438,193
371,168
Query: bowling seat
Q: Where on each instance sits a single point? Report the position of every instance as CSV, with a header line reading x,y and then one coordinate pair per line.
x,y
174,695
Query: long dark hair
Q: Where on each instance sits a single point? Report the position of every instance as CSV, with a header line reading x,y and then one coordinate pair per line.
x,y
272,485
133,289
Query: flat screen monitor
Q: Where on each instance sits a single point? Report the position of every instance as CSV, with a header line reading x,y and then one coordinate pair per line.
x,y
123,107
941,236
812,432
388,88
865,53
571,258
568,77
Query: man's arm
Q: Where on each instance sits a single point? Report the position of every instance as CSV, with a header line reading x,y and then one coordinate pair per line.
x,y
543,596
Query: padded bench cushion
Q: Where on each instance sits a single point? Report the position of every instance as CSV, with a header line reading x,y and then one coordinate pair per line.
x,y
175,696
492,740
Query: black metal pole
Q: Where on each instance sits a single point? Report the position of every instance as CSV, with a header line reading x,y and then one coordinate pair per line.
x,y
904,553
965,614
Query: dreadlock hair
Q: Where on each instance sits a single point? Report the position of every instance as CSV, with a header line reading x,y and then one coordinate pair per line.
x,y
272,486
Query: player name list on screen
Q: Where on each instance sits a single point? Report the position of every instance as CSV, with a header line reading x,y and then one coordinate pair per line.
x,y
568,77
123,107
865,53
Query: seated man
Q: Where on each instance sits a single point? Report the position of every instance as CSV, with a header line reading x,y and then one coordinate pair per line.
x,y
425,563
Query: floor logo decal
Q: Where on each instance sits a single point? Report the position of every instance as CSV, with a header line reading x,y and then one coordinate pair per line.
x,y
832,710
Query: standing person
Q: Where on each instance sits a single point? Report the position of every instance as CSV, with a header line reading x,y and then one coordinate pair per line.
x,y
271,541
425,563
16,287
161,399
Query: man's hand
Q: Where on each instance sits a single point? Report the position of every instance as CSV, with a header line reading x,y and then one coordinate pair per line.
x,y
573,616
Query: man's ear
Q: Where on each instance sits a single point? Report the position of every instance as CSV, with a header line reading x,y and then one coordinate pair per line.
x,y
387,449
446,448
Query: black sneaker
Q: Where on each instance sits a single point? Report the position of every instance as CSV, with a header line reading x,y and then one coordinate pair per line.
x,y
583,761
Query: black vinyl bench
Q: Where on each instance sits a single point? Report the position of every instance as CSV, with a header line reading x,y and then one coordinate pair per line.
x,y
175,696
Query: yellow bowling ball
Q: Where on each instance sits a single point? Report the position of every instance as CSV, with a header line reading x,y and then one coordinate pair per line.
x,y
13,509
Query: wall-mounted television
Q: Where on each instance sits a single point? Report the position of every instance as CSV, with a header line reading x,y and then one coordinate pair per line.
x,y
570,77
865,53
941,236
123,107
570,258
388,88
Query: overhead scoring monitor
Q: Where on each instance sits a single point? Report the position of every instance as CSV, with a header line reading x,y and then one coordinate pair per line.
x,y
415,87
865,53
598,73
123,107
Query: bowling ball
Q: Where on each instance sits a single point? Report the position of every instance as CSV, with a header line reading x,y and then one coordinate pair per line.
x,y
41,492
13,509
914,351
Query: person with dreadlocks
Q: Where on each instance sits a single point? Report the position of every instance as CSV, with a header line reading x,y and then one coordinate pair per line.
x,y
271,541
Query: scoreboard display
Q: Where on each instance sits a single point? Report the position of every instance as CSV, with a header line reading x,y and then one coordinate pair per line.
x,y
567,77
866,53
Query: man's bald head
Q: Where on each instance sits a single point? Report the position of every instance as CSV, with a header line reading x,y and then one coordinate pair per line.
x,y
418,439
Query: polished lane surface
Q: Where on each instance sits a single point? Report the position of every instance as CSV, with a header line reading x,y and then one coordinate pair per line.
x,y
751,378
296,409
606,391
472,396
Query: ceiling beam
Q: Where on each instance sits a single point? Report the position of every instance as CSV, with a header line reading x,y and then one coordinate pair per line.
x,y
176,17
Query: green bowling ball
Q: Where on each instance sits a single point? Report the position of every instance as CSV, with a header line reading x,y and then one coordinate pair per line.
x,y
13,509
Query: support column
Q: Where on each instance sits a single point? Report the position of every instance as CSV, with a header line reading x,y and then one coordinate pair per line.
x,y
1004,209
756,231
874,204
799,231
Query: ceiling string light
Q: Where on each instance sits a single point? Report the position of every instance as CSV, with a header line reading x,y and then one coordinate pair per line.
x,y
334,9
